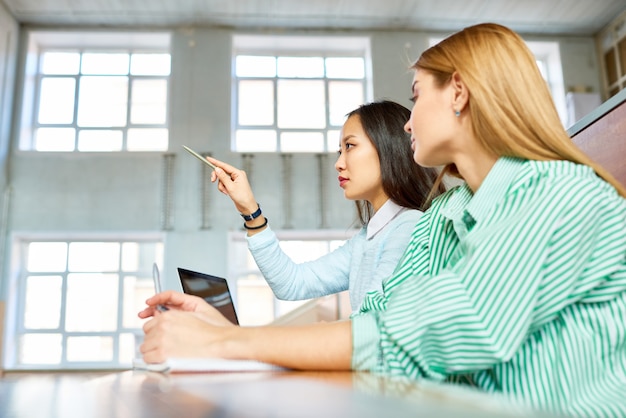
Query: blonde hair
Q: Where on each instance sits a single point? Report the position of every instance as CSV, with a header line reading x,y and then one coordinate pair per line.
x,y
510,105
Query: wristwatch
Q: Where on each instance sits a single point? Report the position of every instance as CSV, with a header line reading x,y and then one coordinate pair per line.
x,y
253,215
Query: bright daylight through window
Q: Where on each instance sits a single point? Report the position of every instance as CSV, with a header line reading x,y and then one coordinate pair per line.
x,y
95,99
77,302
294,95
256,303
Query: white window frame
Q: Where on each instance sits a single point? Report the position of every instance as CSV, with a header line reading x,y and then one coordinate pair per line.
x,y
40,41
16,302
550,55
298,46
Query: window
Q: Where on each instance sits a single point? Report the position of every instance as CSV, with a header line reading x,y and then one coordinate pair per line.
x,y
77,301
291,94
612,43
255,301
548,58
98,96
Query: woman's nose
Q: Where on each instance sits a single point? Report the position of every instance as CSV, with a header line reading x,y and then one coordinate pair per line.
x,y
340,163
407,126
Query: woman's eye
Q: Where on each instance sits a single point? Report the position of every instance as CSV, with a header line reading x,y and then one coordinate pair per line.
x,y
413,99
349,145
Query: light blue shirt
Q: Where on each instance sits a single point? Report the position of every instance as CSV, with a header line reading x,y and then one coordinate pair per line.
x,y
359,265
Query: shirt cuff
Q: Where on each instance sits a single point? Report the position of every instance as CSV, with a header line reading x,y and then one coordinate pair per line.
x,y
260,239
366,353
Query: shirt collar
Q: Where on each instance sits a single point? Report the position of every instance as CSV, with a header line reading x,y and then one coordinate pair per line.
x,y
492,190
387,212
494,186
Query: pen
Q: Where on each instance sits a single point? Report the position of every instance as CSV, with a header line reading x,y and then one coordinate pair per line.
x,y
200,157
156,277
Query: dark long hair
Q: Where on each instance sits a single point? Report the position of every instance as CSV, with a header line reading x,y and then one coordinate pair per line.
x,y
405,182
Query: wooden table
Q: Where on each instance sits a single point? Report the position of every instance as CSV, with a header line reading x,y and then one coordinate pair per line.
x,y
139,394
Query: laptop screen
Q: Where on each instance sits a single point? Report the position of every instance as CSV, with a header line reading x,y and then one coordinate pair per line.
x,y
213,289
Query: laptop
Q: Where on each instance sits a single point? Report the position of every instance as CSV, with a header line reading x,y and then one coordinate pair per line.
x,y
213,289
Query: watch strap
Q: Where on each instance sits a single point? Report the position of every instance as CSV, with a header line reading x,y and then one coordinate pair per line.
x,y
253,215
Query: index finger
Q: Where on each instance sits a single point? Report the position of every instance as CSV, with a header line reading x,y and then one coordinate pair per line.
x,y
177,300
228,169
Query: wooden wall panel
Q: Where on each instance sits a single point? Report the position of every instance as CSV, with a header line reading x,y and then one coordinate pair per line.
x,y
603,138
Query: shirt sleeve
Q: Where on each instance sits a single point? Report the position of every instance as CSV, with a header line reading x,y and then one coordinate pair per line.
x,y
296,281
505,280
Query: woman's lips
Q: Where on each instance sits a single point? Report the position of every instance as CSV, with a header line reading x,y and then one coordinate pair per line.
x,y
342,181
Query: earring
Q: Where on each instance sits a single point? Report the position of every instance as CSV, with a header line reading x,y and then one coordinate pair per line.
x,y
457,113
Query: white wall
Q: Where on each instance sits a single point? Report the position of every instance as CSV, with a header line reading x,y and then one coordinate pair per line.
x,y
122,192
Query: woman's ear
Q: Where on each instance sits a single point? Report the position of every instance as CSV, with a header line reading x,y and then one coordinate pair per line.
x,y
460,93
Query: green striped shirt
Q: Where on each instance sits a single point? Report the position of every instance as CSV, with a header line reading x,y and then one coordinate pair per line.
x,y
518,289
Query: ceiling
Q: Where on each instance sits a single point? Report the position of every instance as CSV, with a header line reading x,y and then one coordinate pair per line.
x,y
567,17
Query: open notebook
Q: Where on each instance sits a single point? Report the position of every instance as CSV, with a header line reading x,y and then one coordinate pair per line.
x,y
204,365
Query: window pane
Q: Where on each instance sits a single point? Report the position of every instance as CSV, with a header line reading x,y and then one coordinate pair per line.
x,y
301,104
343,97
129,347
46,256
55,139
301,251
104,63
542,69
256,103
139,256
56,100
345,67
302,142
250,263
101,306
130,256
251,66
255,302
285,306
148,102
102,101
333,137
333,245
94,256
40,349
147,139
301,67
150,64
136,291
255,140
91,348
42,309
100,140
91,304
60,62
